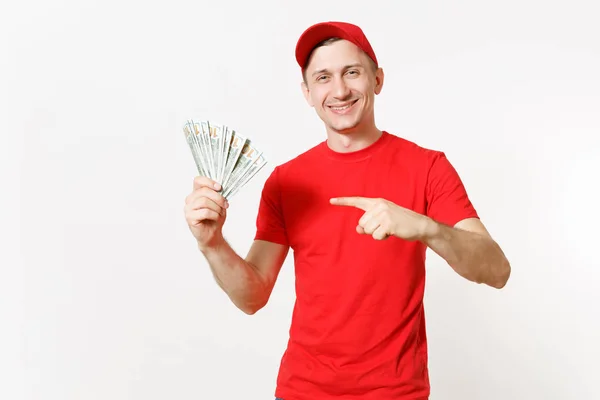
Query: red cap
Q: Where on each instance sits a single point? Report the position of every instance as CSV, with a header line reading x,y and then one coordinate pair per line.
x,y
325,30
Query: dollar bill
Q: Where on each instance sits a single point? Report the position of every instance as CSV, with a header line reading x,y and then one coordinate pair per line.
x,y
256,166
191,133
207,148
216,140
248,156
236,144
190,141
225,151
207,154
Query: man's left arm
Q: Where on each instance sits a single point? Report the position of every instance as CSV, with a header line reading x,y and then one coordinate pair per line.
x,y
469,249
450,226
454,231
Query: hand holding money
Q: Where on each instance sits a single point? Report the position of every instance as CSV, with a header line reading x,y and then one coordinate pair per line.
x,y
206,211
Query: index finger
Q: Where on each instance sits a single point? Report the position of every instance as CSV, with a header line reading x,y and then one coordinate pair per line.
x,y
360,202
204,181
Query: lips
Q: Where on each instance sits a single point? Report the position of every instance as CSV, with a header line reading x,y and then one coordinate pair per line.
x,y
341,108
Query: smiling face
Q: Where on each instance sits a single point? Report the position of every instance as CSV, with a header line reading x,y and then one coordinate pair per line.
x,y
341,82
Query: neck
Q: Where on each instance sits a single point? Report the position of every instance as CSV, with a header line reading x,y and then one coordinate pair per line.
x,y
346,142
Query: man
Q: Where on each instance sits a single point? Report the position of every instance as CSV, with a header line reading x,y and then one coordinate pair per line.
x,y
359,211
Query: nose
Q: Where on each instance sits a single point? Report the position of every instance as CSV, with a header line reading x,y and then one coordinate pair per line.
x,y
340,89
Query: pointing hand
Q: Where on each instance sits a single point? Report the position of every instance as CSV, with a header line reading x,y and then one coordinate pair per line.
x,y
382,218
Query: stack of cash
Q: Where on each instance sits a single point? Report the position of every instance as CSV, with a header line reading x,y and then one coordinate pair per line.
x,y
223,155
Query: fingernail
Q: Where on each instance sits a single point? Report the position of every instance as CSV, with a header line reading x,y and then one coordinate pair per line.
x,y
226,204
217,186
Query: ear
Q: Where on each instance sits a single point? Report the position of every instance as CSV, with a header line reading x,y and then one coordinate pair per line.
x,y
379,75
306,93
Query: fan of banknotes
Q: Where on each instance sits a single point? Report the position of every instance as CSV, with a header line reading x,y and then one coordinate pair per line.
x,y
223,155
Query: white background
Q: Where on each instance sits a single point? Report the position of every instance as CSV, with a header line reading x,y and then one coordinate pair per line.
x,y
103,294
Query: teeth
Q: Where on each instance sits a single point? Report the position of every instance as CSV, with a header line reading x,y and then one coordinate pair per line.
x,y
340,108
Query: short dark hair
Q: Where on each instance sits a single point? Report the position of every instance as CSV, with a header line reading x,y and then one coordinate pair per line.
x,y
322,43
325,42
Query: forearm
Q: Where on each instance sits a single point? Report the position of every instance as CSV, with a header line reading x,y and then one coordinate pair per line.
x,y
474,256
239,279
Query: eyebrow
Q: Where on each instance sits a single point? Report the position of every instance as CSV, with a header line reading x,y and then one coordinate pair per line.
x,y
354,65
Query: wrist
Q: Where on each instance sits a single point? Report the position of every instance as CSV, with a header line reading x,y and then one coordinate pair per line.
x,y
429,230
210,247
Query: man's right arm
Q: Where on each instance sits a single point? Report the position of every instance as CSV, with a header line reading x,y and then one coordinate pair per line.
x,y
248,282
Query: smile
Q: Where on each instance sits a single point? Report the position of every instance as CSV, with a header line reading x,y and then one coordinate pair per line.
x,y
341,108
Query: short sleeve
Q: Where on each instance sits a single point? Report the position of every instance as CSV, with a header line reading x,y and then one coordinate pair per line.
x,y
269,222
447,198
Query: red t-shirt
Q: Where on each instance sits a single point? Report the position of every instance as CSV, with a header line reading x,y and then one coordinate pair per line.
x,y
358,325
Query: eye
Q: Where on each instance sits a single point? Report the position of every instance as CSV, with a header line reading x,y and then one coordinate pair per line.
x,y
321,78
352,72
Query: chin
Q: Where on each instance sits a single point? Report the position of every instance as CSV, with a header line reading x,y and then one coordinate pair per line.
x,y
344,127
345,130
